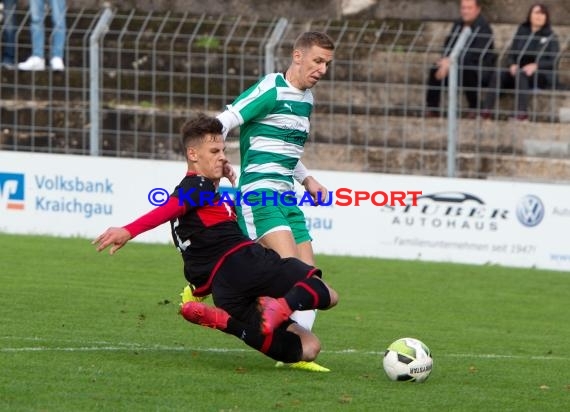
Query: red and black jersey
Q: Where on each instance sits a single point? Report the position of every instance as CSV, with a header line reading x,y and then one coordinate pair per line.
x,y
204,228
207,231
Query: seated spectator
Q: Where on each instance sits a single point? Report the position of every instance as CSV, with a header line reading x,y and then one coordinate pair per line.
x,y
530,63
476,61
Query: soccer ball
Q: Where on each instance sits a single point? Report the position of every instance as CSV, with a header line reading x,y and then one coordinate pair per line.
x,y
407,359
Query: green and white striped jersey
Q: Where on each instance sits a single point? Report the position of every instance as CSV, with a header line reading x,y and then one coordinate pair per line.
x,y
274,125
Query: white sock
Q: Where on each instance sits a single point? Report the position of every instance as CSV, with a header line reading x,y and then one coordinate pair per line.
x,y
305,318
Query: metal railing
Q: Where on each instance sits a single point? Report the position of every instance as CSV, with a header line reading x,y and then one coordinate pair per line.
x,y
452,100
157,68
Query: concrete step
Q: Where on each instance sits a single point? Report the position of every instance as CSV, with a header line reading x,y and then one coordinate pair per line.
x,y
474,136
160,74
388,144
154,133
434,162
406,99
409,67
469,165
130,86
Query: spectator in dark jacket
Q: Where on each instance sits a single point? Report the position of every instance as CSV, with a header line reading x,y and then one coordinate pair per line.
x,y
530,62
475,62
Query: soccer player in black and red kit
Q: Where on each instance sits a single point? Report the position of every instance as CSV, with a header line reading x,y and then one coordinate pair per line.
x,y
254,290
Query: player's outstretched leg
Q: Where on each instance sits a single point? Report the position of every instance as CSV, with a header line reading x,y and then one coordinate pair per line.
x,y
280,345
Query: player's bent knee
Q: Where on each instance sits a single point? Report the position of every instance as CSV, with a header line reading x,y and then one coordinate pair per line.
x,y
310,343
311,348
334,297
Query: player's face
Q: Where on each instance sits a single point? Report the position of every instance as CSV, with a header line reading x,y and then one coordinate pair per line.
x,y
209,158
313,64
469,11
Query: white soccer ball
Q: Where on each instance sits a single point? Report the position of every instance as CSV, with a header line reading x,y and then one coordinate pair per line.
x,y
407,359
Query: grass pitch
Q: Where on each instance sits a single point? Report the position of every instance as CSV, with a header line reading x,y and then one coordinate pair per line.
x,y
82,331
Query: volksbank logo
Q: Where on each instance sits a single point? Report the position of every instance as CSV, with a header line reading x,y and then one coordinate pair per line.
x,y
56,194
11,191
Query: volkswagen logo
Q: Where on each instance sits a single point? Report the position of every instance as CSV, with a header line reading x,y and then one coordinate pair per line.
x,y
530,211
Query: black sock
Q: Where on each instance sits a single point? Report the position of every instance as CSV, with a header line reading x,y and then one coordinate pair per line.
x,y
250,334
284,346
308,294
281,345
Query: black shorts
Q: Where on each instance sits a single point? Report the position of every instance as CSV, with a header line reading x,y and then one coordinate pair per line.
x,y
255,271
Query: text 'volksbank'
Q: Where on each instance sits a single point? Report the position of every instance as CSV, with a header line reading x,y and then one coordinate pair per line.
x,y
71,195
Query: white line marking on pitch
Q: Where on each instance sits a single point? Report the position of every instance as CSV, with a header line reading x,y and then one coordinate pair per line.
x,y
158,348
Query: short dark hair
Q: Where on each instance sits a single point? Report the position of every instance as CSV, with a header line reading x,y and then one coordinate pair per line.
x,y
196,129
543,9
314,38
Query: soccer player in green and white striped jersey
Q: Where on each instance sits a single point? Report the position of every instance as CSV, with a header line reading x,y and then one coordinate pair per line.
x,y
274,120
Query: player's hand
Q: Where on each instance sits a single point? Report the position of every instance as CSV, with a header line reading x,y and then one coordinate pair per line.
x,y
115,236
229,173
318,192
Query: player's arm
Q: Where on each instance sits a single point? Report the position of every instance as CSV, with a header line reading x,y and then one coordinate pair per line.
x,y
318,192
254,103
117,237
230,120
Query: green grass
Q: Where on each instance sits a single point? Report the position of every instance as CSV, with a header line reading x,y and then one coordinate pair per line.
x,y
81,331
